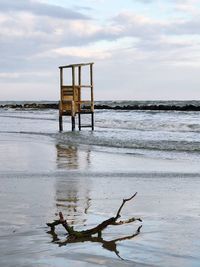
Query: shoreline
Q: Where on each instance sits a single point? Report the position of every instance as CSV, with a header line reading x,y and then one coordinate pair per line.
x,y
35,193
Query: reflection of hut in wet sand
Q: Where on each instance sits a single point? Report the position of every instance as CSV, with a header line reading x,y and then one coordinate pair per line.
x,y
67,157
71,158
72,191
72,197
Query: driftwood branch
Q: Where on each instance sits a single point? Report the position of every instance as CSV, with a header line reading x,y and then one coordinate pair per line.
x,y
72,234
108,245
127,221
124,201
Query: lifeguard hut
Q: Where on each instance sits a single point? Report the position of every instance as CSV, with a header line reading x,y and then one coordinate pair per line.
x,y
72,100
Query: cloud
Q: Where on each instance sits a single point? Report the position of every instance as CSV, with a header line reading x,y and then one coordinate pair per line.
x,y
82,52
173,42
145,27
36,37
41,9
24,35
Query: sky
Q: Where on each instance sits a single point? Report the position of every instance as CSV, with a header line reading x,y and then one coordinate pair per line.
x,y
141,49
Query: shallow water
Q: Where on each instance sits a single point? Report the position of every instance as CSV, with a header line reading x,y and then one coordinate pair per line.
x,y
168,206
43,172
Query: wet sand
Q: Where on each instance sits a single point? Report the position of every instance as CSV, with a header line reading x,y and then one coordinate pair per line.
x,y
40,177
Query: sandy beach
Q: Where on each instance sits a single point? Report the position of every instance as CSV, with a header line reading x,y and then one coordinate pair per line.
x,y
41,175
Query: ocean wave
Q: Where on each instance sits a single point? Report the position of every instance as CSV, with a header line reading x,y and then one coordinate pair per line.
x,y
108,141
27,117
146,126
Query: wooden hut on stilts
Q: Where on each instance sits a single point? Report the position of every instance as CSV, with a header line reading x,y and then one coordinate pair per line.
x,y
72,102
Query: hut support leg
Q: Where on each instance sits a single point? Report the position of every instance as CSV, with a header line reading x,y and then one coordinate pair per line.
x,y
92,121
73,123
79,121
60,124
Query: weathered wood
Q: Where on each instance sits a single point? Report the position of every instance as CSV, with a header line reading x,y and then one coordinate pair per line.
x,y
79,98
124,201
110,245
86,86
79,76
79,121
60,124
71,102
91,83
73,123
76,65
60,103
95,230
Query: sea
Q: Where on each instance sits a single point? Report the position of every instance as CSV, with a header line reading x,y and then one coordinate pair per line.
x,y
86,174
151,133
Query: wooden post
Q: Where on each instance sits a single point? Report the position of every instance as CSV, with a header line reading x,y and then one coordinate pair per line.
x,y
73,123
92,96
73,106
79,98
91,83
73,80
60,124
92,115
79,121
60,104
